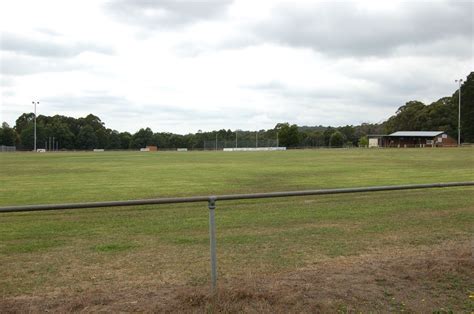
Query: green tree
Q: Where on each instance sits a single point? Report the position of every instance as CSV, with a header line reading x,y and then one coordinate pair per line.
x,y
61,133
363,142
337,139
98,128
27,136
440,116
349,134
93,121
407,118
23,121
8,135
367,129
125,140
102,137
142,138
113,140
312,138
86,139
327,136
467,109
288,134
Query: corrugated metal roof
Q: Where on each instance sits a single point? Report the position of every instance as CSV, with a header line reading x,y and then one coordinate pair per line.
x,y
417,133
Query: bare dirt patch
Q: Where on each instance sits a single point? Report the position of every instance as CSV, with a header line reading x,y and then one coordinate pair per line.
x,y
427,279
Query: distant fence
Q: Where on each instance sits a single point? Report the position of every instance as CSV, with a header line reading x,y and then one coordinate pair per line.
x,y
211,200
4,148
253,149
220,145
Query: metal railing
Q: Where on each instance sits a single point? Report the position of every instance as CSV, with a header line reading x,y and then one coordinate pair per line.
x,y
211,200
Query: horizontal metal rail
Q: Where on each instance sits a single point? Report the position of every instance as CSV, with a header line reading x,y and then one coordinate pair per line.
x,y
194,199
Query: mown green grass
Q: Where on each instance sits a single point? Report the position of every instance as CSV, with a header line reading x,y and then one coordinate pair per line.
x,y
49,178
41,251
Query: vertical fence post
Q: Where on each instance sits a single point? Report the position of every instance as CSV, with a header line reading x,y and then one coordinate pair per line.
x,y
212,239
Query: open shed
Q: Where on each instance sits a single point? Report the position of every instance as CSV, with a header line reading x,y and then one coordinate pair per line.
x,y
413,139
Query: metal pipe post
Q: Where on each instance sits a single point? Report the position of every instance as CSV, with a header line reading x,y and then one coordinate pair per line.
x,y
212,239
34,144
459,115
459,112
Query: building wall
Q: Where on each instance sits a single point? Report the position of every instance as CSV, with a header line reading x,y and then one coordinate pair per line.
x,y
152,148
446,141
374,142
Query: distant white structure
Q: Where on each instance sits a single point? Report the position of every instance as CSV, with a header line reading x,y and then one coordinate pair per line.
x,y
99,150
144,149
373,142
253,149
182,149
41,150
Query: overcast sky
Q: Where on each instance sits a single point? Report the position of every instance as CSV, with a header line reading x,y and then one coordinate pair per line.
x,y
181,66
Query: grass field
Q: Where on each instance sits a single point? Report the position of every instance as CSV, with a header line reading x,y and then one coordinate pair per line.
x,y
271,253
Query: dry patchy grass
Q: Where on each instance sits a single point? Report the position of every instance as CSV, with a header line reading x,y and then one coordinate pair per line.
x,y
422,279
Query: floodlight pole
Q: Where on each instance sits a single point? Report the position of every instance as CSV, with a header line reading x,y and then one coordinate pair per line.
x,y
459,113
34,145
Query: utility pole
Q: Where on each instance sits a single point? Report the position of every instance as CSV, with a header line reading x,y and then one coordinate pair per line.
x,y
256,139
459,113
216,141
235,138
34,145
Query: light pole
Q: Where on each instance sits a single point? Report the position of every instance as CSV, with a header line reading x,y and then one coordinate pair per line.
x,y
34,145
459,113
256,139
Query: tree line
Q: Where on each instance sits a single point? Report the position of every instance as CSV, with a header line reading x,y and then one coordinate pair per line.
x,y
90,132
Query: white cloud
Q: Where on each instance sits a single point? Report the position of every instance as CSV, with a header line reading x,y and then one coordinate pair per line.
x,y
165,13
344,28
189,65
